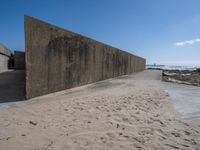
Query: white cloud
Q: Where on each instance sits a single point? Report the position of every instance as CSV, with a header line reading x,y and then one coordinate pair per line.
x,y
189,42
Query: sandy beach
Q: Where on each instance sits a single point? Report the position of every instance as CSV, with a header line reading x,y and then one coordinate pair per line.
x,y
129,112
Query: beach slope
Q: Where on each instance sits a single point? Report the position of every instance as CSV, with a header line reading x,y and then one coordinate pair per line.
x,y
129,112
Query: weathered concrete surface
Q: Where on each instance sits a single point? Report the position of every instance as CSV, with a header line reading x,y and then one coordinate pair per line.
x,y
57,59
4,51
3,63
19,60
4,57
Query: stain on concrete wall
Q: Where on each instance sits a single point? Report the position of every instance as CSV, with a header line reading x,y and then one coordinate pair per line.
x,y
57,59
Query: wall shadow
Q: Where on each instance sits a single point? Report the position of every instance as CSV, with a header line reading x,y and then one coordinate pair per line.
x,y
12,86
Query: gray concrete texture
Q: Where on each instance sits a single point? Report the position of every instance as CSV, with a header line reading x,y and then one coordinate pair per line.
x,y
3,63
57,59
5,53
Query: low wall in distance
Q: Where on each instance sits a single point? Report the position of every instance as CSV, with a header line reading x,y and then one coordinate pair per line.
x,y
19,60
57,59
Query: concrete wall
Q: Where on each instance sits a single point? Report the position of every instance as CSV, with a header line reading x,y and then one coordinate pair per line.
x,y
3,63
4,57
57,59
19,60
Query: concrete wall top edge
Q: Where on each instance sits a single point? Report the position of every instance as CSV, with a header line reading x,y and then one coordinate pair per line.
x,y
26,18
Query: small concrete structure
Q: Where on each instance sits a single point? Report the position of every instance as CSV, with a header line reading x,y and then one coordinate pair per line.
x,y
19,60
5,54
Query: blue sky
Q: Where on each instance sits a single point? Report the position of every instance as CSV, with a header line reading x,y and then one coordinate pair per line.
x,y
162,31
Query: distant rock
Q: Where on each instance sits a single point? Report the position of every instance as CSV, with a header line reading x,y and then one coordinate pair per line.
x,y
182,76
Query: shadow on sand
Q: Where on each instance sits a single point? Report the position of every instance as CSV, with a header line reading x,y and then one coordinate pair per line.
x,y
12,86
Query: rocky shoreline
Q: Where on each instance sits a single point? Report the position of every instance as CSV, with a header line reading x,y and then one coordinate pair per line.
x,y
182,76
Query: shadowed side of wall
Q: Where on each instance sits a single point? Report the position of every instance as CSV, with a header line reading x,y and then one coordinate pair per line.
x,y
19,60
57,59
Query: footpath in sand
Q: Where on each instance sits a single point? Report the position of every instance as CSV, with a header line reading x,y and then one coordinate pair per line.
x,y
129,112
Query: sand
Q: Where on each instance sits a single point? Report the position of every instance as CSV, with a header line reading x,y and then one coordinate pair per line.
x,y
130,112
